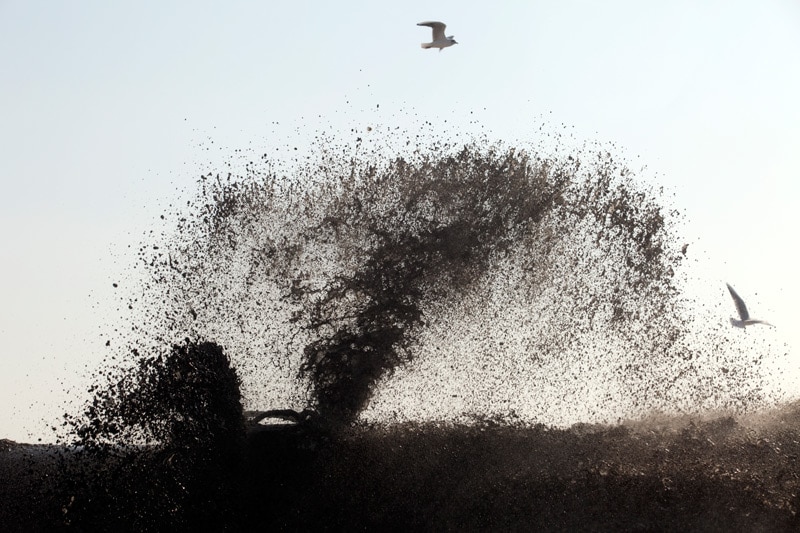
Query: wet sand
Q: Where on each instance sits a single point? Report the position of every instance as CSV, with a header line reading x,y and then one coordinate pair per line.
x,y
720,474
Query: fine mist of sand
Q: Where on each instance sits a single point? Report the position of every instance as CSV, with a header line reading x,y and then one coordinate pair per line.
x,y
390,280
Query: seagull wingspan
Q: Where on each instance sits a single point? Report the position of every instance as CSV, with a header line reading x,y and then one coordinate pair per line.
x,y
754,321
740,307
438,29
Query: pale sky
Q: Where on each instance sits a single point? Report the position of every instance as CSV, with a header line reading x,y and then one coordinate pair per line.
x,y
109,110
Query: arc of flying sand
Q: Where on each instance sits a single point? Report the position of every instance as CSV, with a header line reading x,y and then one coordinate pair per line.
x,y
744,315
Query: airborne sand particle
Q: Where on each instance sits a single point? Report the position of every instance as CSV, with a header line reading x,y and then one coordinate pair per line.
x,y
329,276
468,283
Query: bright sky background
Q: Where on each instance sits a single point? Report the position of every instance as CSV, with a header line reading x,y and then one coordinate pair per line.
x,y
107,108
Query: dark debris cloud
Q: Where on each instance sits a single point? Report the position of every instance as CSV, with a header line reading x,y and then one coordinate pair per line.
x,y
326,275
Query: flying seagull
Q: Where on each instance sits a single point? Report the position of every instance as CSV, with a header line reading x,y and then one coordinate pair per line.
x,y
439,39
744,316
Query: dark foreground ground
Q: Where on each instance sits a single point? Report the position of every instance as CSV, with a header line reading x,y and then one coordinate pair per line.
x,y
671,475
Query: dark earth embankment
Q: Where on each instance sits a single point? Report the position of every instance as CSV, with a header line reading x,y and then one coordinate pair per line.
x,y
714,475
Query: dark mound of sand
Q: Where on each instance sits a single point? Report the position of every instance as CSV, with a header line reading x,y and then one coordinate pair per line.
x,y
670,475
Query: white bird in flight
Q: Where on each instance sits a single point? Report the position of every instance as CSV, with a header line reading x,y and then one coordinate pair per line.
x,y
744,316
439,39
